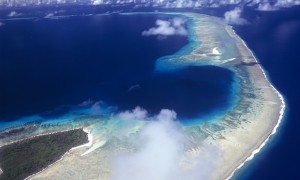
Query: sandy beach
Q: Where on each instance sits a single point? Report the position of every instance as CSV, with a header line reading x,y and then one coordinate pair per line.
x,y
88,144
237,136
267,118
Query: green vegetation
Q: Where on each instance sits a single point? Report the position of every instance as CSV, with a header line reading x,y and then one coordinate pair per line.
x,y
20,160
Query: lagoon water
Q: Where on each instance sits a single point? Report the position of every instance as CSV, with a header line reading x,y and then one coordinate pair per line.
x,y
50,64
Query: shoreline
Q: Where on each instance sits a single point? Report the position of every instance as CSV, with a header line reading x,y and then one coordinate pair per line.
x,y
240,136
89,138
89,143
38,135
256,150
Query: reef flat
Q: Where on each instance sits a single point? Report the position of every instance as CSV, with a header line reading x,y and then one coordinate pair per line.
x,y
219,145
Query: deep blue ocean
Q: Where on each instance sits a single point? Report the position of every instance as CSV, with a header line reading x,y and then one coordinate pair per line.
x,y
49,63
274,38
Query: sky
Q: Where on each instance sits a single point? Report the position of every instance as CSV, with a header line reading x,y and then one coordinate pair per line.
x,y
233,16
261,4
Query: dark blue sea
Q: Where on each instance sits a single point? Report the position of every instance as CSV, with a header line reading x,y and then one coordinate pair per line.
x,y
47,64
275,39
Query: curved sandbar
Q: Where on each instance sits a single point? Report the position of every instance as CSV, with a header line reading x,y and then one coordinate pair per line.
x,y
233,137
247,127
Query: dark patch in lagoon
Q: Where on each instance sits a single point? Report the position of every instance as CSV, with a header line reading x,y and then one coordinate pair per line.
x,y
188,91
191,92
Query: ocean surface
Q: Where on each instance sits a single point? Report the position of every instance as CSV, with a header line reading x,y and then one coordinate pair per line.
x,y
274,37
47,65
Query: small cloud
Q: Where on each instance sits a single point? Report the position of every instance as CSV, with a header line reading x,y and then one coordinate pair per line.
x,y
234,17
96,107
166,115
167,28
1,24
266,7
133,87
14,14
86,103
97,2
49,15
92,107
287,3
136,114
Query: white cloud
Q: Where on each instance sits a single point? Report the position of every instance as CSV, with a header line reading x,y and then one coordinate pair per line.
x,y
49,15
156,3
1,24
161,154
133,87
266,7
14,13
96,107
287,3
234,17
97,2
136,114
167,28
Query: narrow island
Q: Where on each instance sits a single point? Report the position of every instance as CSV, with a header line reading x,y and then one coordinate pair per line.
x,y
26,157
